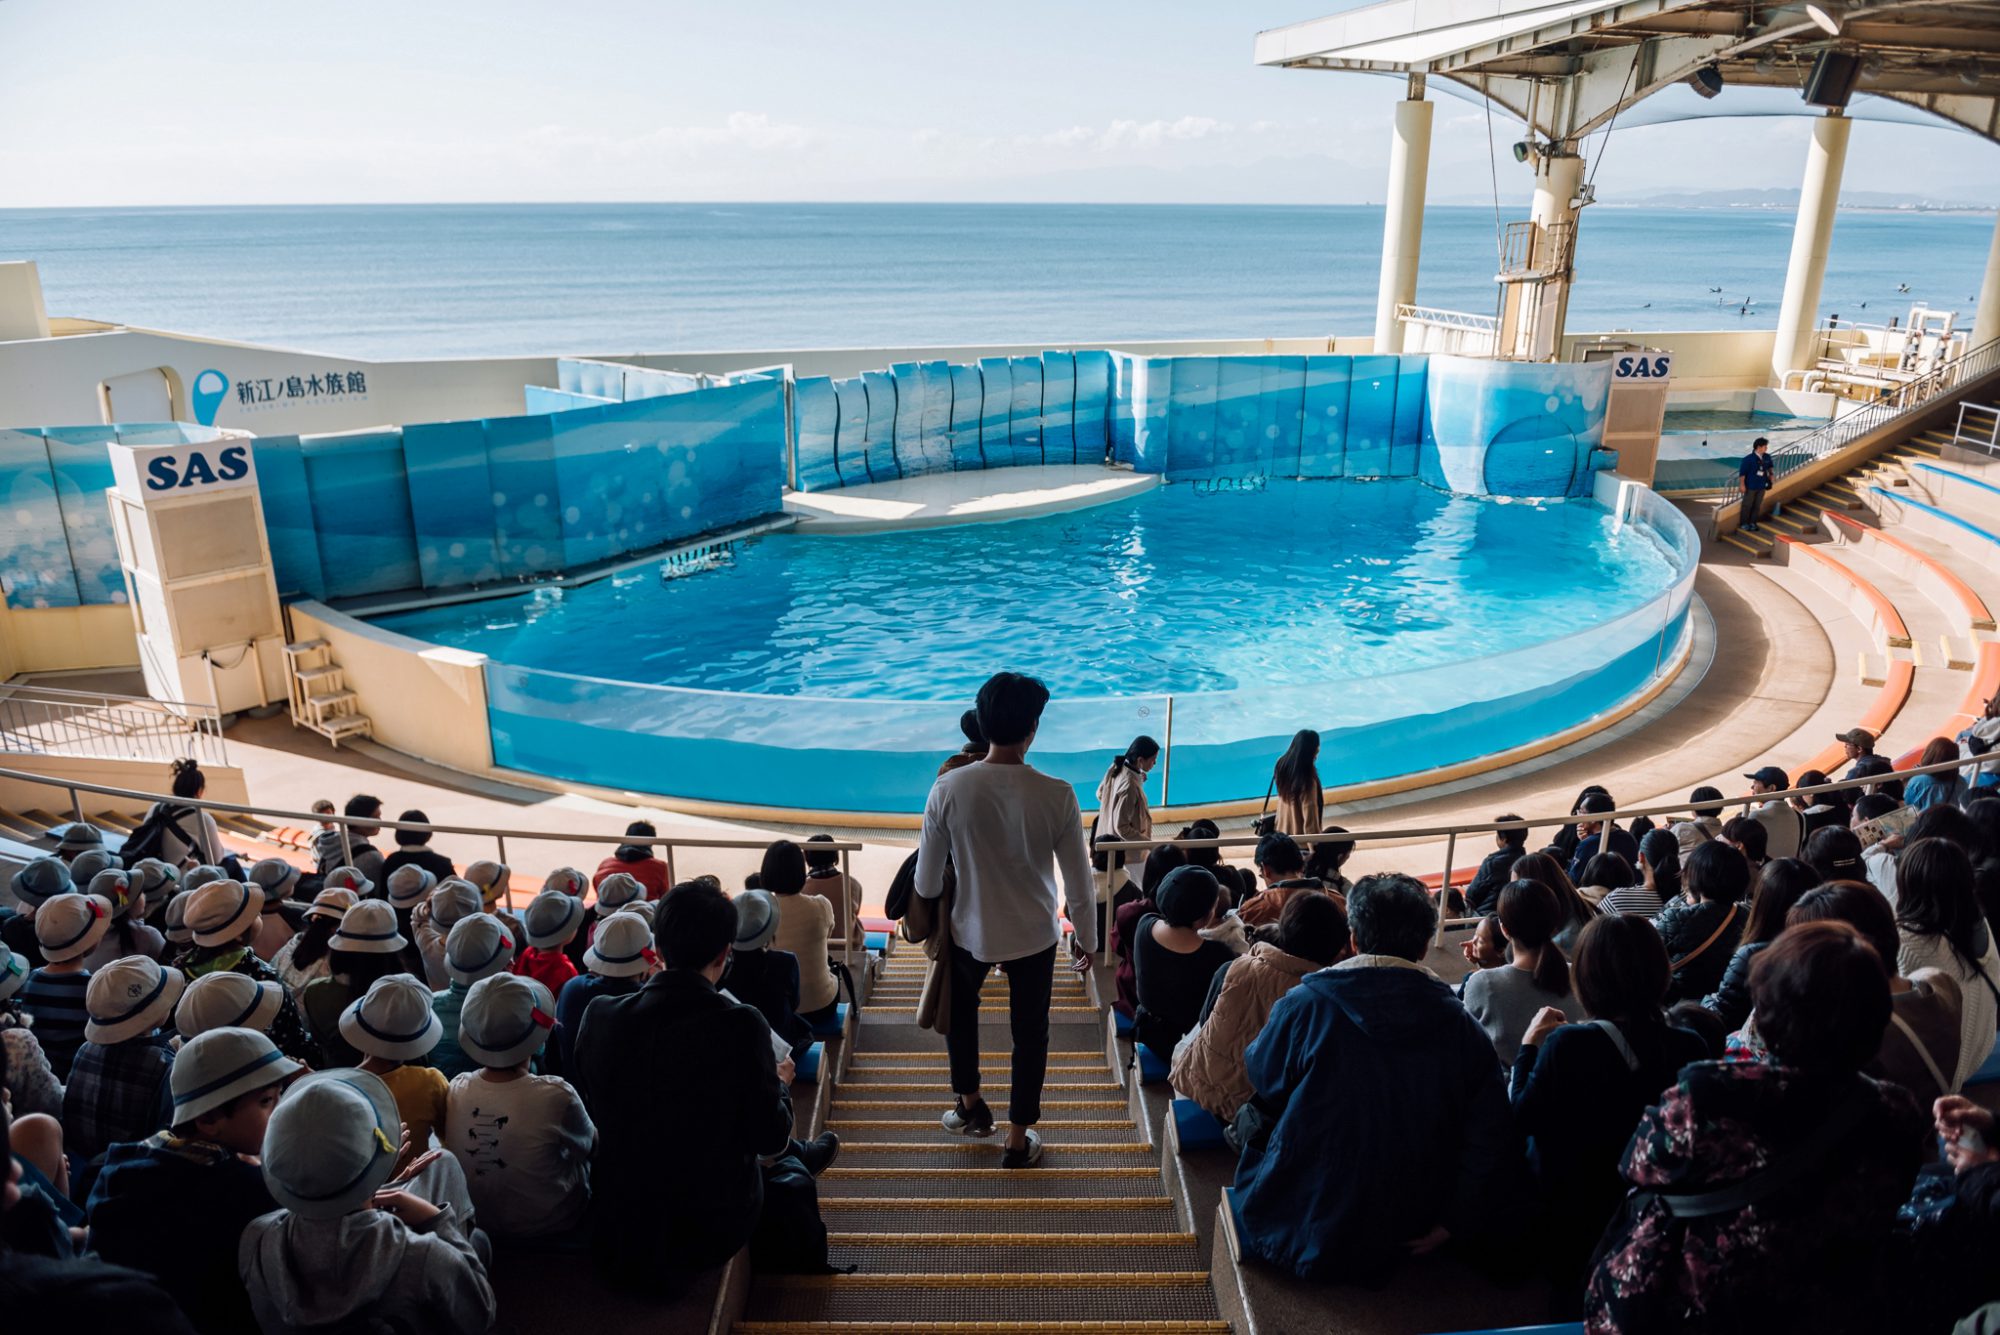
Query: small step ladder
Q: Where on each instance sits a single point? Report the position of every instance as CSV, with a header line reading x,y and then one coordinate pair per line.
x,y
320,697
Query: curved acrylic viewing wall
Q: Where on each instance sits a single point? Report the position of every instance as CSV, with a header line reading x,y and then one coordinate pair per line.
x,y
870,755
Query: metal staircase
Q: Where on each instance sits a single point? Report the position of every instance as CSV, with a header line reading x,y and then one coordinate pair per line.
x,y
948,1241
1799,517
321,699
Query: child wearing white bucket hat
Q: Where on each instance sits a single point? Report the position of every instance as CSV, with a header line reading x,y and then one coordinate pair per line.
x,y
31,1086
409,885
453,899
305,958
176,1203
493,880
364,947
225,917
129,933
228,1001
524,1140
391,1027
281,917
117,1090
618,961
28,889
552,922
572,882
477,947
66,928
351,1247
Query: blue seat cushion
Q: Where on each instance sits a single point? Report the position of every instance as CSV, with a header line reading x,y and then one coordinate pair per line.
x,y
1152,1071
833,1025
1124,1022
808,1065
1196,1128
877,941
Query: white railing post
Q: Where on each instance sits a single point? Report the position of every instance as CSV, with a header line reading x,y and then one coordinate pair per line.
x,y
1444,888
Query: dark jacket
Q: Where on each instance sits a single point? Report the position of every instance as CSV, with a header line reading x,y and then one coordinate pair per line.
x,y
1731,998
684,1090
1684,927
1622,843
1389,1118
1482,896
1576,1102
419,855
1954,1224
177,1210
769,980
40,1294
572,1001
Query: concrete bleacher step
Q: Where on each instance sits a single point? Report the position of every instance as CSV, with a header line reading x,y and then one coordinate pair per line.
x,y
921,1214
921,1252
1065,1296
847,1181
871,1100
988,1327
892,1130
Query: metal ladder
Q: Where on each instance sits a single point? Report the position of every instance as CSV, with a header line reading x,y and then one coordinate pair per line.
x,y
321,699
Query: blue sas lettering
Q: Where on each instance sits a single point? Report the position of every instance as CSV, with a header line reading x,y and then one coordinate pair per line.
x,y
165,473
1642,368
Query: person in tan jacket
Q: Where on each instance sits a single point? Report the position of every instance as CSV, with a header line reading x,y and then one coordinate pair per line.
x,y
1208,1064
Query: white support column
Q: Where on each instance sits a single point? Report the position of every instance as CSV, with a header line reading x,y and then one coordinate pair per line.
x,y
1986,321
1558,178
1403,218
1819,195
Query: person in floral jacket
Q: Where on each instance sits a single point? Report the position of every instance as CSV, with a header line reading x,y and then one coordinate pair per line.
x,y
1766,1191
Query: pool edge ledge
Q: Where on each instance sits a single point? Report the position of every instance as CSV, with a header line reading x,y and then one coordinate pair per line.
x,y
987,496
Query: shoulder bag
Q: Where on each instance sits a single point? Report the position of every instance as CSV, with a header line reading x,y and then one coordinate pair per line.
x,y
1713,936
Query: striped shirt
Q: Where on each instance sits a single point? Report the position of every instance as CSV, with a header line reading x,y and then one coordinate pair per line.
x,y
56,1002
1634,900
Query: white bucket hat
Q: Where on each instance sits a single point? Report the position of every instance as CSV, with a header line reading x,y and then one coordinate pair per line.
x,y
129,997
568,881
477,947
205,874
622,948
216,1066
394,1020
332,1142
489,878
643,909
455,899
756,919
155,878
13,972
88,863
222,911
332,904
177,929
40,881
409,884
619,889
78,836
276,878
552,919
116,888
349,878
225,1000
369,928
505,1020
71,925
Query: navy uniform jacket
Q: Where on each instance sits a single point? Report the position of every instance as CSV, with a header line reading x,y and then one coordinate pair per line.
x,y
1756,471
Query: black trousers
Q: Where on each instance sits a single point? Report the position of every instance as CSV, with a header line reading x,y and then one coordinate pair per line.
x,y
1753,506
1029,981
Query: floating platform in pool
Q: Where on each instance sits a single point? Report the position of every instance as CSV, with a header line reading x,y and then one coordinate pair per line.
x,y
984,497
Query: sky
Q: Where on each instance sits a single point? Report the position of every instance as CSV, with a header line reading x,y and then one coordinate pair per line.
x,y
144,102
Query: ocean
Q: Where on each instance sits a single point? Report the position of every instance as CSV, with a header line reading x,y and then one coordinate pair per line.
x,y
482,280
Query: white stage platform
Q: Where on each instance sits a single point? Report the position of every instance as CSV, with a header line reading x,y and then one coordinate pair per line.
x,y
984,497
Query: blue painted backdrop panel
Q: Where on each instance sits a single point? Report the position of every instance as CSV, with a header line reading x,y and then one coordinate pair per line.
x,y
1026,414
850,444
881,438
1409,428
1191,418
818,420
1237,411
1280,396
521,464
935,439
82,466
288,516
909,425
1371,417
451,503
361,508
1058,408
35,567
608,481
1323,420
996,377
968,404
1093,405
723,455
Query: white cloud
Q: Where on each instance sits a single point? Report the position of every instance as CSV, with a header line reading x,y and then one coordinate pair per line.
x,y
1151,134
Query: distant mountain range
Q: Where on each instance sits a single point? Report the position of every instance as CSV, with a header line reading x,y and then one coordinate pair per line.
x,y
1788,200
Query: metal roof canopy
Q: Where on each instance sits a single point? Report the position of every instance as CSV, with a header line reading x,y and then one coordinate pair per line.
x,y
1566,68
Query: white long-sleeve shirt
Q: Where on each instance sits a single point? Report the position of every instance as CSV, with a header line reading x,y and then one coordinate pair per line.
x,y
1010,829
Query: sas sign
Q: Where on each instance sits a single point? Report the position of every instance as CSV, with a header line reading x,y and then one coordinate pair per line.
x,y
149,473
1643,366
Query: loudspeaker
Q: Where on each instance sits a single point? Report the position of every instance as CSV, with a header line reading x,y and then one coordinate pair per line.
x,y
1832,79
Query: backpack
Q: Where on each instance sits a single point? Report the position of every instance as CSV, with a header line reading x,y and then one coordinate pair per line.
x,y
790,1238
149,840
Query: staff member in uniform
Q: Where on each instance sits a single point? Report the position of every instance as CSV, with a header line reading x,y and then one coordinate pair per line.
x,y
1757,472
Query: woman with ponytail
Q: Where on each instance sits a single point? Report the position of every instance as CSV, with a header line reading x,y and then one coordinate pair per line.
x,y
1122,812
1504,1000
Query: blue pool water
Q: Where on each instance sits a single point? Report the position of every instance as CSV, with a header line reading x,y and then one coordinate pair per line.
x,y
1411,627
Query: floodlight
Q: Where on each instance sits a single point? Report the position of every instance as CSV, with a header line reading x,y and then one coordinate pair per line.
x,y
1523,150
1706,81
1827,16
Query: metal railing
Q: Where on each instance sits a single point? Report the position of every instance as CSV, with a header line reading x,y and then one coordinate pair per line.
x,y
1978,428
1907,399
666,844
45,721
1433,329
1451,833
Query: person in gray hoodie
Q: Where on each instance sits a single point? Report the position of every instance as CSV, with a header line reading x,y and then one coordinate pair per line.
x,y
351,1247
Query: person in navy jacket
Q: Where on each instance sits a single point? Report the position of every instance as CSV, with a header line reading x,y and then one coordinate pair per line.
x,y
1387,1130
1756,470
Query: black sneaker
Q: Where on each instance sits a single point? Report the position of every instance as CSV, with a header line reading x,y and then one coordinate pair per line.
x,y
1027,1156
820,1152
963,1121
